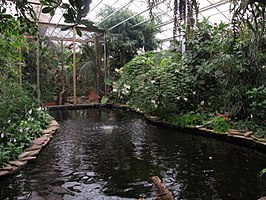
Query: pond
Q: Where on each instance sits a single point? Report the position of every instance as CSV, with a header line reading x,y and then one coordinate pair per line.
x,y
112,154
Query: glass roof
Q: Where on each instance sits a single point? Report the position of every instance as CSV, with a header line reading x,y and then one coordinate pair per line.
x,y
216,10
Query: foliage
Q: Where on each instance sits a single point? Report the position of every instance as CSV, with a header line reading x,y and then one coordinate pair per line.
x,y
104,100
149,82
74,13
16,135
25,16
188,119
220,124
216,74
257,98
20,121
87,70
126,39
249,14
262,172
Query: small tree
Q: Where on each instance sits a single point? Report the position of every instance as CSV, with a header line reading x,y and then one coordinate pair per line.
x,y
127,38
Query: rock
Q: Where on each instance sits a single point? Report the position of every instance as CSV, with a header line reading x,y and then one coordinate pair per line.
x,y
18,163
248,134
50,130
93,97
14,169
22,155
6,168
54,123
4,173
28,158
39,141
232,130
235,133
34,152
202,129
44,144
33,147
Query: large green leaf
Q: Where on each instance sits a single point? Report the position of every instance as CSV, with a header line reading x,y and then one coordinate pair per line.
x,y
64,28
47,9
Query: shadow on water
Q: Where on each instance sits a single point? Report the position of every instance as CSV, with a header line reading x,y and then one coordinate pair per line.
x,y
112,154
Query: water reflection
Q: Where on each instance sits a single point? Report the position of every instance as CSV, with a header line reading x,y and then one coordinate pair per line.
x,y
112,154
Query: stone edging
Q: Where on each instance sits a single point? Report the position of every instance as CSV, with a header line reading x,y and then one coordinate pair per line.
x,y
31,152
241,137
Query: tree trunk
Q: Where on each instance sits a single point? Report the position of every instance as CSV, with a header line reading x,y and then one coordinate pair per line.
x,y
163,193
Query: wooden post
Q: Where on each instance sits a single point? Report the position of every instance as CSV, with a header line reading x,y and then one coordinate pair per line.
x,y
62,76
20,67
105,62
163,193
74,68
38,69
96,44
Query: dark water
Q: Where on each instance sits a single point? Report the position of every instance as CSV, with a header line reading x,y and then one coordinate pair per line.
x,y
112,154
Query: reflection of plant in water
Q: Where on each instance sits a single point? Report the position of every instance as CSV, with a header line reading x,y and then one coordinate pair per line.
x,y
262,172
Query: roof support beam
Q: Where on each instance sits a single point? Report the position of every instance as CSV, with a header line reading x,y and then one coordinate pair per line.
x,y
63,39
135,15
114,12
46,24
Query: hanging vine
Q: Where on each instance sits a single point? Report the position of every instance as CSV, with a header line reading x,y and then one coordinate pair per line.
x,y
249,14
186,14
175,22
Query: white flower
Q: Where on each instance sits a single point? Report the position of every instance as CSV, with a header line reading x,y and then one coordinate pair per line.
x,y
30,111
153,81
2,135
125,91
202,103
14,140
9,121
21,130
178,98
194,92
117,70
185,99
114,90
127,86
39,109
251,116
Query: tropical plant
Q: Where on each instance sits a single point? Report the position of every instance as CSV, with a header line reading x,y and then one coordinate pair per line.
x,y
150,83
249,14
126,39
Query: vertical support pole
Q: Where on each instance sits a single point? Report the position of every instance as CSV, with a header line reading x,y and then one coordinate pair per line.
x,y
20,67
38,68
105,63
96,44
74,68
62,55
62,76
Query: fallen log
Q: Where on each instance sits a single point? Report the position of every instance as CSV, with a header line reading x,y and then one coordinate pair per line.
x,y
163,193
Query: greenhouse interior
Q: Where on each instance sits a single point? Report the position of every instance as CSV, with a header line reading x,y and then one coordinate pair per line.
x,y
132,99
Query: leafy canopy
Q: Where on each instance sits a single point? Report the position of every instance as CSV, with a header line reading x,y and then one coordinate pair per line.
x,y
126,39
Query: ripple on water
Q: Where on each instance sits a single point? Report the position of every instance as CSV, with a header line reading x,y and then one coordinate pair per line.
x,y
110,154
